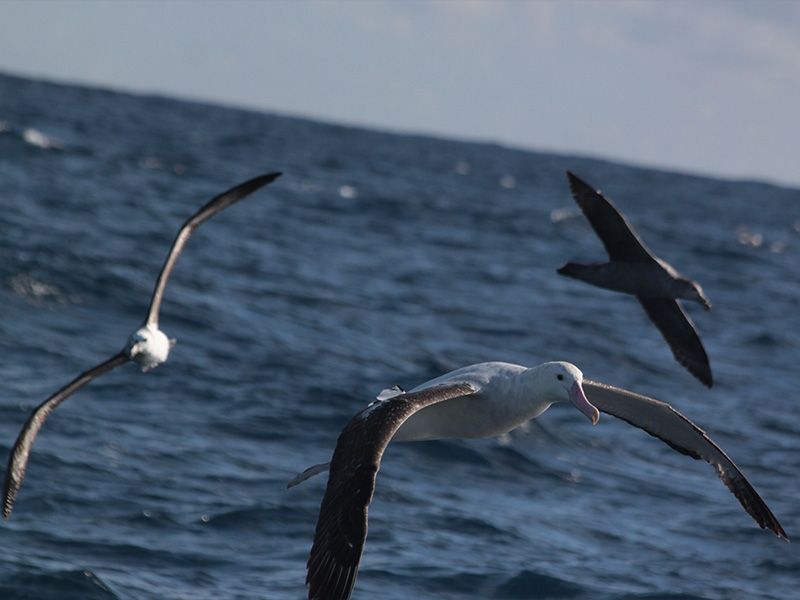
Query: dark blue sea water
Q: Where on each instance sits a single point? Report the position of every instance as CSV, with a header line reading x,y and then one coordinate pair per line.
x,y
376,259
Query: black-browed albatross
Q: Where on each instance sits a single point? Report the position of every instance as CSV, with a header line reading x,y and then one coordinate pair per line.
x,y
481,400
634,269
148,346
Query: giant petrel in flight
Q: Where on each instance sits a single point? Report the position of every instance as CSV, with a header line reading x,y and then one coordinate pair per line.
x,y
633,269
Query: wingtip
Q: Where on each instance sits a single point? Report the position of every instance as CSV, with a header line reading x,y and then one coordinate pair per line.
x,y
575,181
251,185
771,523
776,528
703,376
569,270
706,378
267,178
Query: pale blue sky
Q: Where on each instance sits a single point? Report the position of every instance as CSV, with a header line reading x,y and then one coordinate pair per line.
x,y
705,86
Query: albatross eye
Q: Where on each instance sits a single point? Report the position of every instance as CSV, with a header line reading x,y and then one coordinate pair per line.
x,y
560,377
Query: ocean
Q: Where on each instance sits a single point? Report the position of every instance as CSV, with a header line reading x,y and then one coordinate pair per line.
x,y
376,259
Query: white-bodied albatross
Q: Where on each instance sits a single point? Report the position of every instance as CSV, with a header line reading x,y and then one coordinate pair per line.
x,y
148,346
634,269
480,400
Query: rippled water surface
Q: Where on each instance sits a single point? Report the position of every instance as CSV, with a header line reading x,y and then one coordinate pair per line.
x,y
376,259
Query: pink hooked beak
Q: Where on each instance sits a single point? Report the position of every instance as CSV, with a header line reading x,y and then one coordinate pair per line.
x,y
578,398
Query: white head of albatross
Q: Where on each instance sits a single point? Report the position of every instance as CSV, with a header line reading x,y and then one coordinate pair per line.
x,y
563,382
148,347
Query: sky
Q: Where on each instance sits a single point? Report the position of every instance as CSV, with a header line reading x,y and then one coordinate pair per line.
x,y
708,87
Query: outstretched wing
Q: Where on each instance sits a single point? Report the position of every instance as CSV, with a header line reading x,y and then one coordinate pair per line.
x,y
18,460
342,524
678,330
671,427
211,208
613,229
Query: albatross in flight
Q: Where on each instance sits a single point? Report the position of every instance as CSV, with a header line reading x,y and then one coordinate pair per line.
x,y
148,346
481,400
633,269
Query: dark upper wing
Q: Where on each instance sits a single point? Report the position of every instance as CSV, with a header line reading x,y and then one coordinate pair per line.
x,y
342,524
667,424
681,335
609,224
211,208
18,460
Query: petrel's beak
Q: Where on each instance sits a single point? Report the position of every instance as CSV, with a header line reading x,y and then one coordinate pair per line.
x,y
578,398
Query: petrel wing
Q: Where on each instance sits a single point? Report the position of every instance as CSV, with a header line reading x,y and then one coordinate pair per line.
x,y
618,236
678,330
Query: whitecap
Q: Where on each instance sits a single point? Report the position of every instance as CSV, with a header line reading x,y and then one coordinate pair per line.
x,y
35,290
562,214
34,137
777,247
508,182
748,238
348,191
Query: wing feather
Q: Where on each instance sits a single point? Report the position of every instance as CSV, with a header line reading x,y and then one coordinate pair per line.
x,y
20,452
679,332
613,229
208,210
662,421
342,525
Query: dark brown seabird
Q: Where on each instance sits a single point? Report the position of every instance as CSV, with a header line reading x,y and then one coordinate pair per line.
x,y
148,346
481,400
633,269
